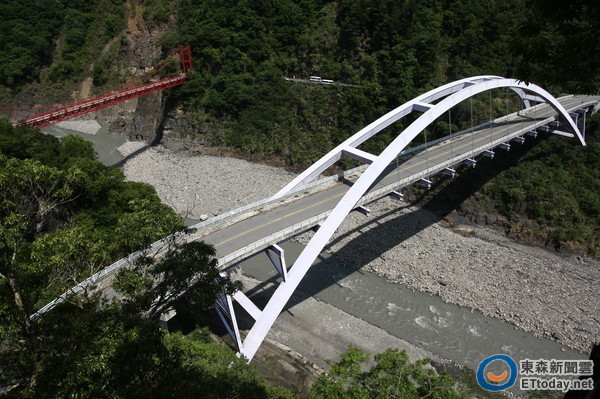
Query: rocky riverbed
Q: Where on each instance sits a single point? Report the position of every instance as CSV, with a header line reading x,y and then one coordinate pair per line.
x,y
551,295
201,185
548,294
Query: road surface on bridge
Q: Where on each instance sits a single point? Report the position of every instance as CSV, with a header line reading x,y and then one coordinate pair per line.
x,y
264,224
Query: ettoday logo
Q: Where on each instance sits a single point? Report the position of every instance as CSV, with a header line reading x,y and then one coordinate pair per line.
x,y
500,372
497,373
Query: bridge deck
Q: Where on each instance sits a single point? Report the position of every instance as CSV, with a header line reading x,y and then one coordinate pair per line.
x,y
260,231
239,234
81,108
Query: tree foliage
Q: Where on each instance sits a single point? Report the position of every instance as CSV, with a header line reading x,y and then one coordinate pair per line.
x,y
113,353
30,31
392,376
559,46
155,282
63,216
390,50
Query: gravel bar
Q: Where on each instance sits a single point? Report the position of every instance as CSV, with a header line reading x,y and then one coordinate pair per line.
x,y
549,294
201,185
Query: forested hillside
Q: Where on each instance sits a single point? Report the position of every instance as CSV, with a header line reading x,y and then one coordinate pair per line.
x,y
390,51
55,44
393,51
64,216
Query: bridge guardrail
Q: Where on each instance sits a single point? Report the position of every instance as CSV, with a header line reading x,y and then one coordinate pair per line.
x,y
376,194
369,197
273,238
114,267
361,168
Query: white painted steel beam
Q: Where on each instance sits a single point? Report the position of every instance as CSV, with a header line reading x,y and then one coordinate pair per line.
x,y
470,162
449,172
397,196
375,127
365,211
422,107
224,308
247,304
532,133
470,86
455,93
425,183
277,256
533,98
359,155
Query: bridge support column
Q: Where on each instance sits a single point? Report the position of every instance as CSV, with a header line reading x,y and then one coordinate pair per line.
x,y
582,123
532,133
363,210
550,129
165,317
277,256
425,183
226,312
470,162
449,172
397,195
488,153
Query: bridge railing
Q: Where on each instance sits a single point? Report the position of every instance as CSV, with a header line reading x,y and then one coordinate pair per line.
x,y
420,147
384,191
265,242
475,151
109,271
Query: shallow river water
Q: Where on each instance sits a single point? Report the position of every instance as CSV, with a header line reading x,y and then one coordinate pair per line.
x,y
105,144
449,331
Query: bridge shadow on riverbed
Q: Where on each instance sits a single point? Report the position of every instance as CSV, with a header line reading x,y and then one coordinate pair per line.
x,y
134,154
381,235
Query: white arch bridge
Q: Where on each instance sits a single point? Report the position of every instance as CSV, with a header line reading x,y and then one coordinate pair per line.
x,y
321,205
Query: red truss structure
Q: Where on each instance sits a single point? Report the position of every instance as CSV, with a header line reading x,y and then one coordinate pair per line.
x,y
94,104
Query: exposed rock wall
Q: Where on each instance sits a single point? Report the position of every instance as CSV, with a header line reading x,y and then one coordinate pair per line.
x,y
140,118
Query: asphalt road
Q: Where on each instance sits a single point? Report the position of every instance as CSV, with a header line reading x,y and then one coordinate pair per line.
x,y
245,232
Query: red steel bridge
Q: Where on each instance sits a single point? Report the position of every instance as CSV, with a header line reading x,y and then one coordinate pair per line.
x,y
63,111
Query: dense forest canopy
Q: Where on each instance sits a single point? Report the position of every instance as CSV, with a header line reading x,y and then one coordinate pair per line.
x,y
560,46
31,30
392,50
64,215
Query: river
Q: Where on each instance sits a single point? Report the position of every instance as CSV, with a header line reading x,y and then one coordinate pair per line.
x,y
449,331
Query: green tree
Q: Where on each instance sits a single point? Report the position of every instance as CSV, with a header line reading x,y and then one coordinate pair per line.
x,y
112,353
392,376
32,197
551,32
62,216
155,281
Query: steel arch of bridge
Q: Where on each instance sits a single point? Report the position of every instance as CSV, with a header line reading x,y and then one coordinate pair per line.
x,y
449,95
422,103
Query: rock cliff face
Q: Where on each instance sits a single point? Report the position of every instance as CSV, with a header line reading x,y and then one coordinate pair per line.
x,y
138,50
181,131
140,123
140,118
